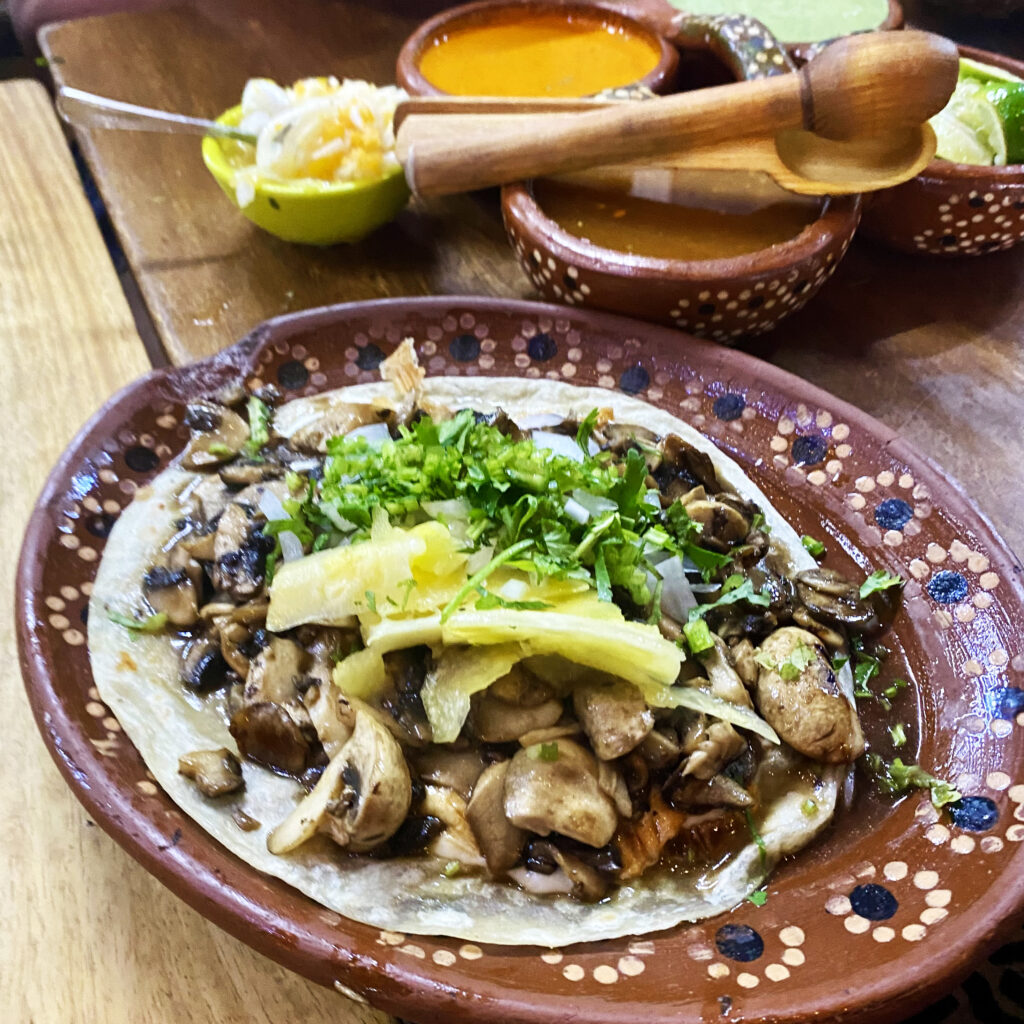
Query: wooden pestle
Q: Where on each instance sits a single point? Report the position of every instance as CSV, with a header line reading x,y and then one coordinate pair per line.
x,y
860,85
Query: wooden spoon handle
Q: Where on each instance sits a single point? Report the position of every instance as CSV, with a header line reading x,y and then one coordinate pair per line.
x,y
555,143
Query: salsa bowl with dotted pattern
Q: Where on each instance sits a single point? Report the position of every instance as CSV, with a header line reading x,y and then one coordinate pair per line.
x,y
953,209
885,912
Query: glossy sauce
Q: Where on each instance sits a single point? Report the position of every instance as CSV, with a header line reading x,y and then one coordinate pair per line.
x,y
698,226
546,55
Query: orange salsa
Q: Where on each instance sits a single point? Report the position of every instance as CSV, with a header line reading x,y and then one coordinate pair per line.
x,y
543,55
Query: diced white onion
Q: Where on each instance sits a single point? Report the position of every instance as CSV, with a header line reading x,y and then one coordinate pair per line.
x,y
375,433
270,505
594,503
291,546
534,881
575,511
539,420
479,559
304,465
651,497
676,593
560,444
338,521
514,589
456,508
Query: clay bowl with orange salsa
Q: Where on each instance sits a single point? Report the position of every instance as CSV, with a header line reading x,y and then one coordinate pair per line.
x,y
717,268
531,48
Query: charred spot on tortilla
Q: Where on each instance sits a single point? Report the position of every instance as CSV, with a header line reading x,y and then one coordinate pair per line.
x,y
501,662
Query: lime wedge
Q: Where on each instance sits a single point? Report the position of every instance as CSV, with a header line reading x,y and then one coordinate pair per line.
x,y
958,142
972,107
974,69
1008,101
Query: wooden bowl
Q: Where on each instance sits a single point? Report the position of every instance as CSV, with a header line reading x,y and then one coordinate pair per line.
x,y
491,12
721,299
953,209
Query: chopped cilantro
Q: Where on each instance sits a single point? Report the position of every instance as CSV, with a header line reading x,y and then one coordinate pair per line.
x,y
452,869
150,624
762,850
586,428
742,592
698,636
894,688
898,734
408,585
488,600
543,751
371,601
220,449
259,426
814,546
758,523
880,580
478,577
809,808
866,665
897,778
839,662
759,897
790,669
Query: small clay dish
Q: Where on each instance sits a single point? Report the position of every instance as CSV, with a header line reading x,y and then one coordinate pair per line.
x,y
953,209
491,14
721,299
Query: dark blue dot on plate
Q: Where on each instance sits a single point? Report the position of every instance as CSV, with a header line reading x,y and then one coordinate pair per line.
x,y
729,406
1006,701
739,942
634,380
893,514
370,357
541,347
292,375
84,615
464,348
809,450
874,902
948,239
706,308
975,201
100,525
974,813
947,587
141,458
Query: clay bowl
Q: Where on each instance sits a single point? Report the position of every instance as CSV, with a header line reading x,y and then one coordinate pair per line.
x,y
953,209
721,299
493,12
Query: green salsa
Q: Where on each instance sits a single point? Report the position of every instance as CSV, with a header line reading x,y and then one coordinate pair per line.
x,y
799,21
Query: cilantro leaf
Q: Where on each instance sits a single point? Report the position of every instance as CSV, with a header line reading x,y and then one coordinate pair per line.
x,y
150,624
880,580
259,426
759,897
814,546
897,778
744,592
585,429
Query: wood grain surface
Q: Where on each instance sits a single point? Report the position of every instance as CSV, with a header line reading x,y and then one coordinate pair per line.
x,y
88,936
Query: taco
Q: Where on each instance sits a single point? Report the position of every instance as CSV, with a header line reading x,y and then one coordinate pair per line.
x,y
508,660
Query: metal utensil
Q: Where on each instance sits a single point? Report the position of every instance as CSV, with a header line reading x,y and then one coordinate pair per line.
x,y
85,109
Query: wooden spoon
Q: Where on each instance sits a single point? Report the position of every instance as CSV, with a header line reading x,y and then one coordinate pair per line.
x,y
859,87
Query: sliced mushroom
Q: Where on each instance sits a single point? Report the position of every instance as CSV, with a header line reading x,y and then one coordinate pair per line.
x,y
725,683
203,667
337,421
171,592
456,769
215,772
407,671
361,799
457,842
217,434
331,714
514,705
275,672
742,657
613,714
268,734
722,525
710,746
499,840
683,467
718,791
830,596
244,472
561,795
588,883
799,696
610,779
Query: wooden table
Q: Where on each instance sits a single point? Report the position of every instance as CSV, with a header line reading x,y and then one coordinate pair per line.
x,y
930,348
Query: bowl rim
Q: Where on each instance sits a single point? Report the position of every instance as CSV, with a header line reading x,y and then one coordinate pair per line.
x,y
302,188
839,216
411,78
950,171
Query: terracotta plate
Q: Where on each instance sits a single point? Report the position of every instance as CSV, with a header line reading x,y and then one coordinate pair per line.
x,y
883,914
